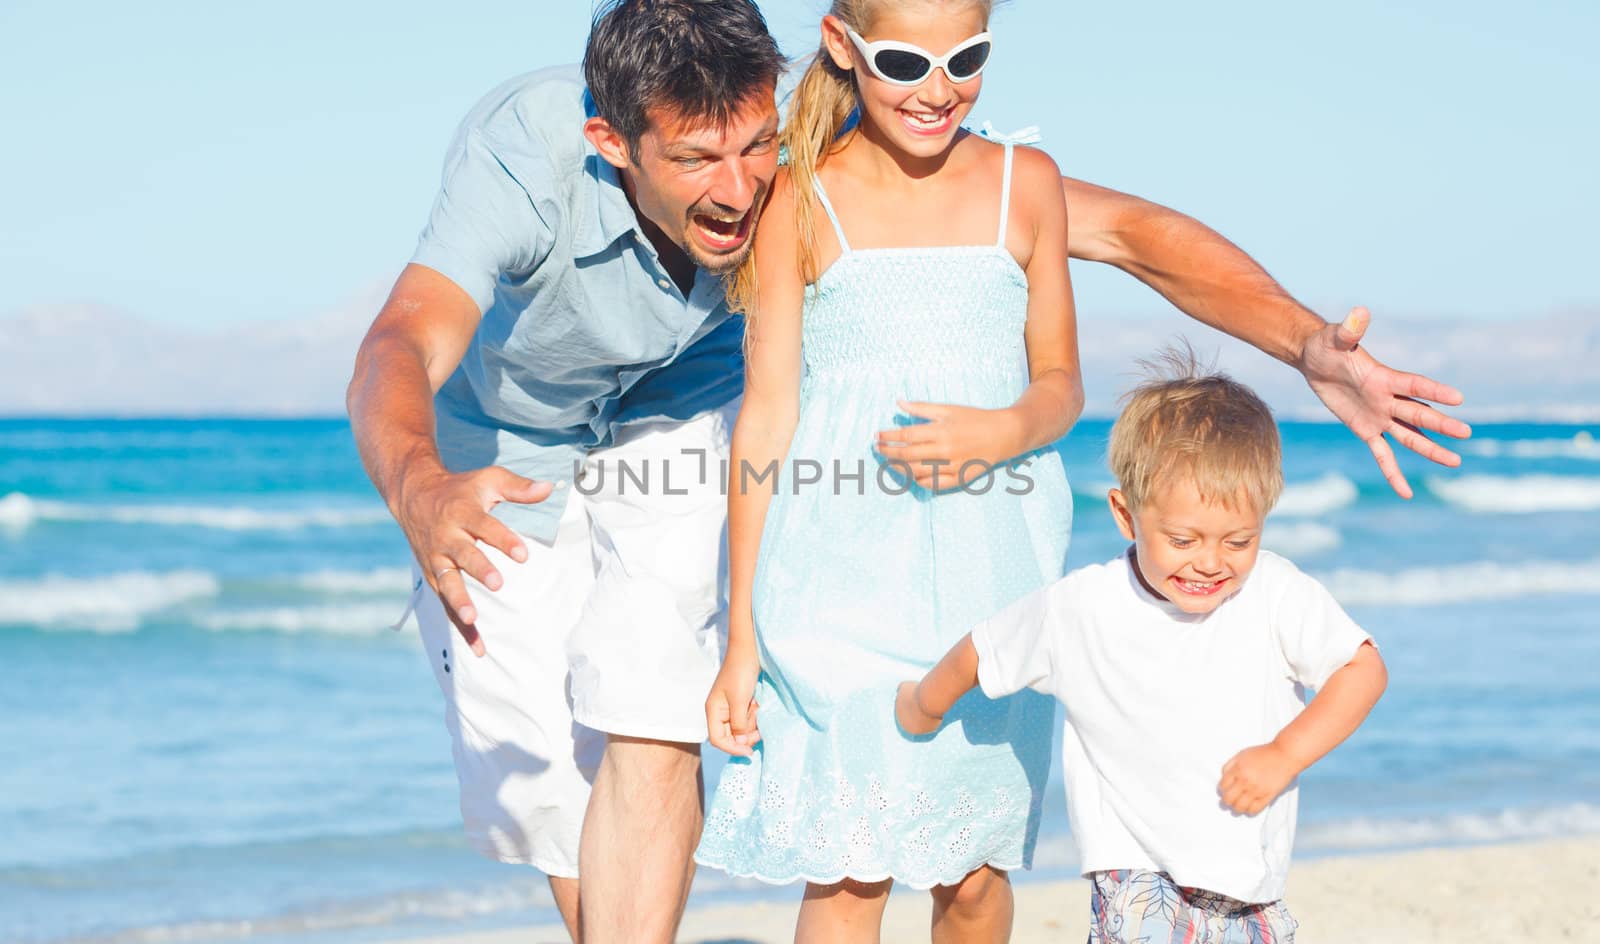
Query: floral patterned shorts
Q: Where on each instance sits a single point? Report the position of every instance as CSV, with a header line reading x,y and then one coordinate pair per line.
x,y
1133,905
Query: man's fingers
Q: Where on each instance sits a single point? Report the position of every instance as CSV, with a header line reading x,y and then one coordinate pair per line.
x,y
475,564
515,488
1426,388
1410,437
474,641
1352,329
493,532
1388,466
452,590
1421,415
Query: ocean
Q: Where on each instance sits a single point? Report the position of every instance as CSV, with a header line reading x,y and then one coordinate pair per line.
x,y
209,733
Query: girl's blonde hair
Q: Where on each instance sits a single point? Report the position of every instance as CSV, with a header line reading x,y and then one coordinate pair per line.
x,y
818,110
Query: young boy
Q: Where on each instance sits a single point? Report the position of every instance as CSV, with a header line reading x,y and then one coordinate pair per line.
x,y
1183,665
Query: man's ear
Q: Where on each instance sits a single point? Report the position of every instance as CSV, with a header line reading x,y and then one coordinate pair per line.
x,y
1121,512
613,149
838,42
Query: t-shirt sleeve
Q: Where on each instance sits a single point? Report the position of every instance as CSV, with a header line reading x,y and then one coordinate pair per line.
x,y
1317,636
495,214
1017,648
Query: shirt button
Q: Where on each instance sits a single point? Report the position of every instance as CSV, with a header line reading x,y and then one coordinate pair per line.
x,y
664,283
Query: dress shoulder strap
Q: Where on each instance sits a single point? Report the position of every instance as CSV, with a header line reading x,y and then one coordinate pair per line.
x,y
827,207
1005,196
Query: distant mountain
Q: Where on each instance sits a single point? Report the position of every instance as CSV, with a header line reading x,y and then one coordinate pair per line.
x,y
94,360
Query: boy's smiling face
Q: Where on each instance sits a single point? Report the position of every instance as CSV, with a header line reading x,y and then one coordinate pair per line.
x,y
1189,551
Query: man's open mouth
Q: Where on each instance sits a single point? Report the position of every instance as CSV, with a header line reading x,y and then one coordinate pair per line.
x,y
721,231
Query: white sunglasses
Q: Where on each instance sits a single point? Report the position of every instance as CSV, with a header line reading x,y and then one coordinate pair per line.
x,y
904,64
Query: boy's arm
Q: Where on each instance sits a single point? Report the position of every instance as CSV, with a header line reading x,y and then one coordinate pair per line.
x,y
1256,775
1011,650
920,707
1213,281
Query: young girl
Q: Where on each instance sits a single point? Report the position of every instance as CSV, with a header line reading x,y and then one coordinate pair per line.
x,y
912,356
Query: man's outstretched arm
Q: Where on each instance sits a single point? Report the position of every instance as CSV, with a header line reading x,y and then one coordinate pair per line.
x,y
411,349
1215,282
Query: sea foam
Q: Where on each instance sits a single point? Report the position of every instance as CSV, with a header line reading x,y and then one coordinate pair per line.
x,y
19,512
114,603
1581,445
1319,496
1456,583
1519,494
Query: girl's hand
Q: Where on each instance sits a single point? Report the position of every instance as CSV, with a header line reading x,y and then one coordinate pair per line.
x,y
909,714
1255,776
957,445
731,706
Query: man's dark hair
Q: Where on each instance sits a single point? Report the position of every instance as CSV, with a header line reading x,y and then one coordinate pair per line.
x,y
702,59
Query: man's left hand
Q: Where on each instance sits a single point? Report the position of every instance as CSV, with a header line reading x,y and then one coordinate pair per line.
x,y
1373,399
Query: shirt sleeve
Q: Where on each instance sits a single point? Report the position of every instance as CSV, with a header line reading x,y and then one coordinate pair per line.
x,y
495,213
1016,647
1317,636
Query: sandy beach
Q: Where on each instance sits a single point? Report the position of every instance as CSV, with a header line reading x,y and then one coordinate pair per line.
x,y
1537,891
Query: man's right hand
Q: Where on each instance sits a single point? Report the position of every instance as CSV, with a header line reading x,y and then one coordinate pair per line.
x,y
413,346
444,515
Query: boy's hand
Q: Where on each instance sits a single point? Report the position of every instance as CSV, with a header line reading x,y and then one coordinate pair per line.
x,y
1255,776
908,712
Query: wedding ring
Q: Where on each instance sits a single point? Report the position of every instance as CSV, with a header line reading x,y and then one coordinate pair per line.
x,y
439,575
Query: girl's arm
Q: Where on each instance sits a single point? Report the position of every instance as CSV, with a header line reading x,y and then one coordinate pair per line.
x,y
960,443
1256,775
761,438
1054,398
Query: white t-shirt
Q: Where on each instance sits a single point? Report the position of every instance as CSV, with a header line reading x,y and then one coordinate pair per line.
x,y
1158,700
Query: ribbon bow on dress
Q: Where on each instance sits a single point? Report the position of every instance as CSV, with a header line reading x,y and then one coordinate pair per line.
x,y
1028,135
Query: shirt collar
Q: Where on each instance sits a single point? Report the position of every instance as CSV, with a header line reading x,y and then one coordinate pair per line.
x,y
606,215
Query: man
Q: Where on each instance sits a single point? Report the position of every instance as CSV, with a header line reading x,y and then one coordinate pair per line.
x,y
564,312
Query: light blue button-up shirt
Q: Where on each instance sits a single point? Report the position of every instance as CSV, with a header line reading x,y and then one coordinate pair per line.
x,y
583,330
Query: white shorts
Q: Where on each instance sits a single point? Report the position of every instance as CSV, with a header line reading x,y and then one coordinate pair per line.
x,y
615,627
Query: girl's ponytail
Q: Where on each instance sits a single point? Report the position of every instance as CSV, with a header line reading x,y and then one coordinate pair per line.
x,y
818,110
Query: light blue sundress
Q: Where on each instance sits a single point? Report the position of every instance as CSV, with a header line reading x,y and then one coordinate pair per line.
x,y
865,580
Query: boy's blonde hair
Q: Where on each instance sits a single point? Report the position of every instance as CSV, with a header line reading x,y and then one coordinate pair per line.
x,y
1196,423
818,111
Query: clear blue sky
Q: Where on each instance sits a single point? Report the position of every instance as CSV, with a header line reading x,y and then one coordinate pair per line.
x,y
199,163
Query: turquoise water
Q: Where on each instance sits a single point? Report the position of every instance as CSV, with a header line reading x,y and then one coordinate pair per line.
x,y
208,732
